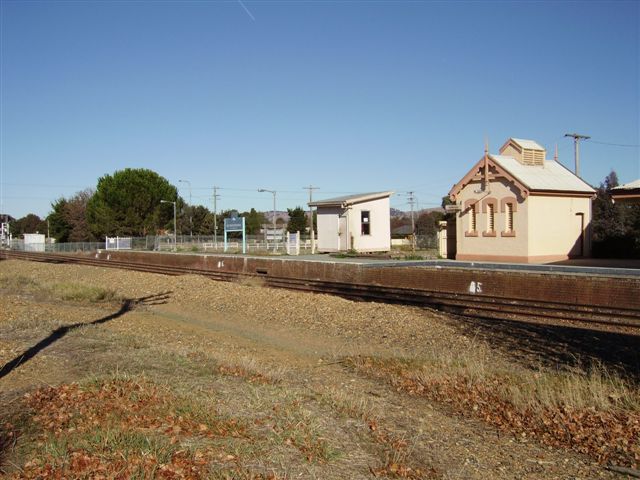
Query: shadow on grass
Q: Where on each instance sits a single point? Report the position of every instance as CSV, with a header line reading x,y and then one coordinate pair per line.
x,y
57,334
558,346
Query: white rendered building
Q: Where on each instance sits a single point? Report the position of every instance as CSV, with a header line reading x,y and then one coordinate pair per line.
x,y
355,222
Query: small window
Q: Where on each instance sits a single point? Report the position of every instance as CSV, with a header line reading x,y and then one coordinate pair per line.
x,y
365,222
491,218
472,219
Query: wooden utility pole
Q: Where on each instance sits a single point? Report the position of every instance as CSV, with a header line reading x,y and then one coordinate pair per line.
x,y
311,188
215,217
576,148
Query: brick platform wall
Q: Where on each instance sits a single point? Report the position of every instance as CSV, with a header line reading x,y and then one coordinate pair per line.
x,y
550,287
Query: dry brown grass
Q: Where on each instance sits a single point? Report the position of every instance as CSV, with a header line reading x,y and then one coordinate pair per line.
x,y
594,413
77,292
251,281
66,291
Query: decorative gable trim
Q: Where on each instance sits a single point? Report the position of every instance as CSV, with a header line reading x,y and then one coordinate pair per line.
x,y
477,174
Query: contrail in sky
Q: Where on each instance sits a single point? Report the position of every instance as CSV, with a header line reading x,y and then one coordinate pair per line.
x,y
246,10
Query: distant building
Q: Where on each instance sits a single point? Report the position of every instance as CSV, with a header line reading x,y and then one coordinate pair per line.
x,y
520,207
354,222
5,233
627,193
34,242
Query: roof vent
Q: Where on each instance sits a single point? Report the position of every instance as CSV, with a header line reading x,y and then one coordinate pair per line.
x,y
527,152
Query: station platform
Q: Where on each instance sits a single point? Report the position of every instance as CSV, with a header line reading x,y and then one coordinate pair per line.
x,y
583,266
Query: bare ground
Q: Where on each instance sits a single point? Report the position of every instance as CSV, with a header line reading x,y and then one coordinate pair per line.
x,y
272,360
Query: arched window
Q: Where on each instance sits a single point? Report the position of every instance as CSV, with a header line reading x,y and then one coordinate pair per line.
x,y
489,208
471,210
509,206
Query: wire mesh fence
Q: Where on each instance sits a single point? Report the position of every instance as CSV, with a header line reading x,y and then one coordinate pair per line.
x,y
52,247
256,244
182,243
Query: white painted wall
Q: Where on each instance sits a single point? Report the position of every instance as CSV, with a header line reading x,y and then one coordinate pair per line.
x,y
379,239
338,227
328,224
34,242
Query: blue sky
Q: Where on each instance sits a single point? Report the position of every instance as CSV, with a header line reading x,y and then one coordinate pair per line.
x,y
347,96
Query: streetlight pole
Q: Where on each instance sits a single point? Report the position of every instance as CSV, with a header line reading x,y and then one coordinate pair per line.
x,y
175,231
273,192
413,222
190,209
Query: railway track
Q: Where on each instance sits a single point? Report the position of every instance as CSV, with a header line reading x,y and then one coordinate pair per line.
x,y
610,317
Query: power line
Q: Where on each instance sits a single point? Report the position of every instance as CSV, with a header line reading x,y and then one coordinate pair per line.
x,y
630,145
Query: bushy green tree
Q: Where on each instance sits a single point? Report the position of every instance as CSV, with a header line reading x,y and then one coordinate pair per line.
x,y
254,221
30,223
202,220
127,203
59,227
427,223
607,216
68,218
297,220
615,226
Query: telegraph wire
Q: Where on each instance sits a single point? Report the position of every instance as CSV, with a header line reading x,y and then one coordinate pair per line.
x,y
629,145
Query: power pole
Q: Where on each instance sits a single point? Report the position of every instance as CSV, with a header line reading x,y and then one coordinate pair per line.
x,y
576,148
311,188
413,223
215,217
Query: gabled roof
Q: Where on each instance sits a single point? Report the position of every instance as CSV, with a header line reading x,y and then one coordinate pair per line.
x,y
350,199
530,144
551,176
627,192
627,186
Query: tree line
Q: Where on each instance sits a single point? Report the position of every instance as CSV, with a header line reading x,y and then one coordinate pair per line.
x,y
615,226
129,203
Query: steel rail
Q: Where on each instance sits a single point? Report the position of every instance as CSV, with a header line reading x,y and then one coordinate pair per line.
x,y
459,303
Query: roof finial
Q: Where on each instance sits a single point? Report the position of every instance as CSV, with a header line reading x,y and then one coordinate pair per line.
x,y
485,185
555,156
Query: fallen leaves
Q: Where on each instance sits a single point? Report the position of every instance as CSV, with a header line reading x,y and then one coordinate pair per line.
x,y
122,428
608,436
